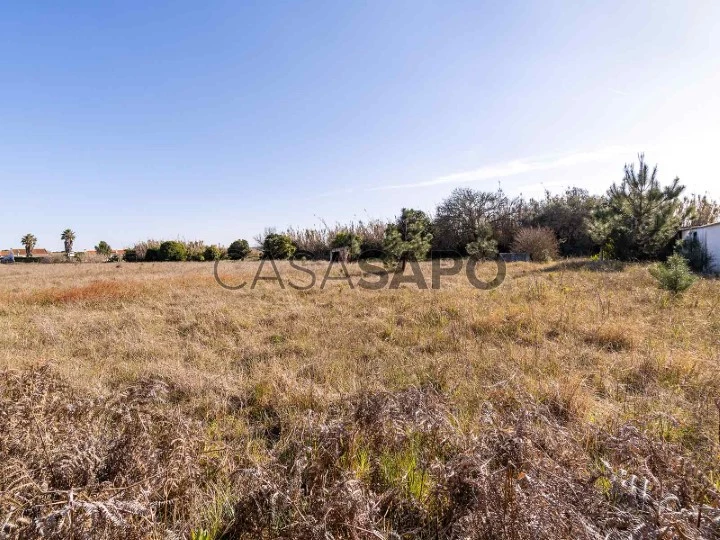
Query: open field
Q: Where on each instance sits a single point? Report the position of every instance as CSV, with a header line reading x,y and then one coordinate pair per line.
x,y
145,401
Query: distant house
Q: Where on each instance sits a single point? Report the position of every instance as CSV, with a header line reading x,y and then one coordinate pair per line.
x,y
709,237
19,253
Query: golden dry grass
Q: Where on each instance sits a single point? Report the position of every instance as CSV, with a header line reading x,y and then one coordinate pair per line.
x,y
572,401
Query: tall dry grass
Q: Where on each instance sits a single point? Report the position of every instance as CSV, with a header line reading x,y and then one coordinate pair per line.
x,y
143,400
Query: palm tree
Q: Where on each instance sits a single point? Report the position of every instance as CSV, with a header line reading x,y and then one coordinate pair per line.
x,y
68,236
29,241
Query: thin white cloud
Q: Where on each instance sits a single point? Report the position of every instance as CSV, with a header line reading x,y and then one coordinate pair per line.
x,y
516,167
618,92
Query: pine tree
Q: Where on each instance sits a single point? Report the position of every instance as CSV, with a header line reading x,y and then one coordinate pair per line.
x,y
640,218
408,237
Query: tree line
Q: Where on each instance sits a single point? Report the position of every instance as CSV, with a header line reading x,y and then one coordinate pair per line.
x,y
636,219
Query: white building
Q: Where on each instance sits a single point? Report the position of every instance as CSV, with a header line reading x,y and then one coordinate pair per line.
x,y
708,236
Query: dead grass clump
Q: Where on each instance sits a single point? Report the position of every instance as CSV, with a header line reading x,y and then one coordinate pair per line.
x,y
77,467
642,376
394,466
515,324
611,337
566,400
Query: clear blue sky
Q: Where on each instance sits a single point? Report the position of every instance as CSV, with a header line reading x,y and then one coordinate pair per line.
x,y
211,120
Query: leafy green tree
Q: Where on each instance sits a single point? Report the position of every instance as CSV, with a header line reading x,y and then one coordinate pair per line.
x,y
29,241
640,218
238,250
467,211
348,240
278,246
569,215
674,275
172,250
103,248
152,254
68,238
213,253
130,255
409,237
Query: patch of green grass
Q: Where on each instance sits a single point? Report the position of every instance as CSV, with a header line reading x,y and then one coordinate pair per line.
x,y
402,469
357,460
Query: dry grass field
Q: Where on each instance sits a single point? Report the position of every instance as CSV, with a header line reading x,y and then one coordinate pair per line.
x,y
144,401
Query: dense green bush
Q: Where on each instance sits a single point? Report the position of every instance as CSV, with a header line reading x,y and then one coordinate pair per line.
x,y
278,246
152,254
674,275
172,250
213,253
410,237
484,246
130,255
103,248
347,239
238,250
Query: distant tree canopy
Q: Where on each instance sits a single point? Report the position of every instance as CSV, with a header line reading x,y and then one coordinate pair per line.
x,y
278,246
103,248
238,250
409,237
213,253
464,217
699,210
172,250
568,215
636,219
639,218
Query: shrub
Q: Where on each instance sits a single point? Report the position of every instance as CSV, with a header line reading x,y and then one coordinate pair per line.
x,y
695,253
130,255
103,248
484,245
172,251
539,242
674,275
238,250
141,248
152,254
278,246
213,253
409,237
347,239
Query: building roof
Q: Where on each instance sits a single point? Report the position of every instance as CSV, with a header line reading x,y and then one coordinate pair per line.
x,y
20,252
717,223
